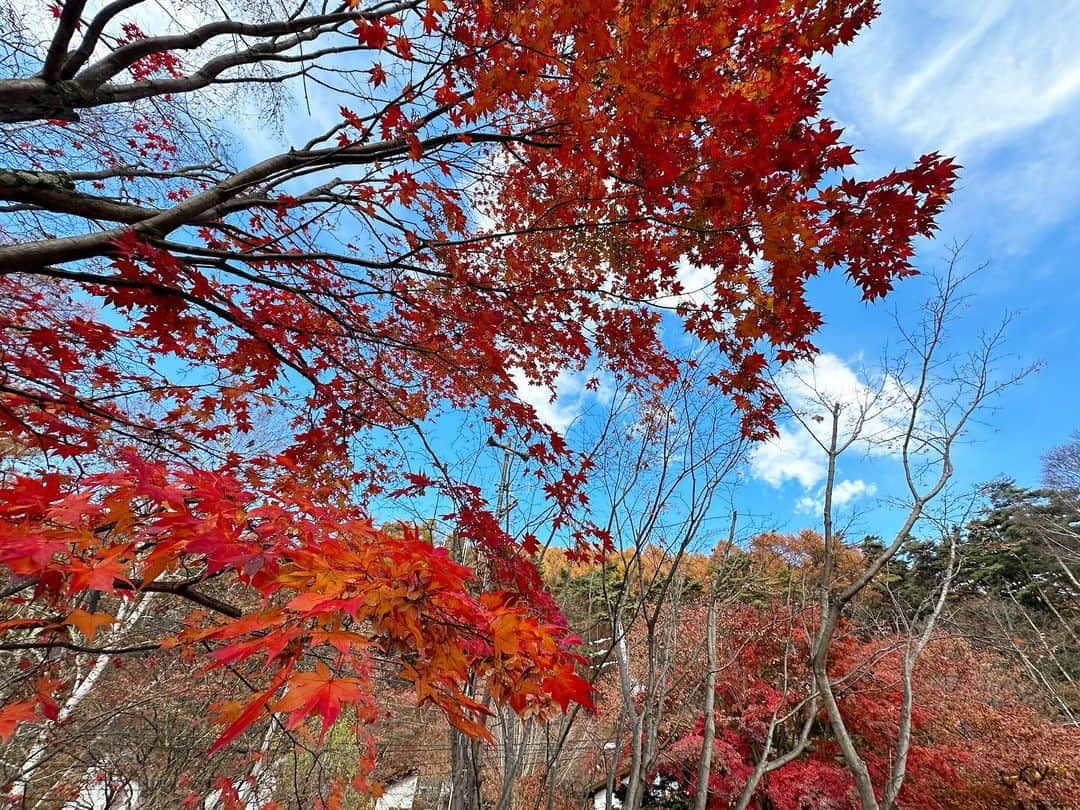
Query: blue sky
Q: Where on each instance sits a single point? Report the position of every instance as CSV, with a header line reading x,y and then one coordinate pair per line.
x,y
997,84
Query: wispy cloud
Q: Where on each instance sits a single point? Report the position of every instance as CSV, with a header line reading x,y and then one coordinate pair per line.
x,y
560,407
995,83
962,75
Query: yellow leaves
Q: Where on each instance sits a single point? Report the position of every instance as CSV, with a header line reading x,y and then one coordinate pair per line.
x,y
88,623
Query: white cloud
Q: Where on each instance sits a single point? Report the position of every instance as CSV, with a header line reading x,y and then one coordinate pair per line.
x,y
956,76
996,83
791,456
844,493
697,282
847,491
871,404
560,408
871,415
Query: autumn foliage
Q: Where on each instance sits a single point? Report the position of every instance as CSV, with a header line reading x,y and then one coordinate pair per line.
x,y
977,744
518,185
980,738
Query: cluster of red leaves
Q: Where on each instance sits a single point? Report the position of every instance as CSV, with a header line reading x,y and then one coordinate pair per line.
x,y
40,705
975,744
693,131
330,583
152,64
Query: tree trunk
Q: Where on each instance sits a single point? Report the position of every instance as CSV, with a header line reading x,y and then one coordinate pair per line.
x,y
464,772
634,778
708,732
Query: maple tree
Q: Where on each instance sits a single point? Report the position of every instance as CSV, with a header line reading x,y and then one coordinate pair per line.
x,y
973,735
501,179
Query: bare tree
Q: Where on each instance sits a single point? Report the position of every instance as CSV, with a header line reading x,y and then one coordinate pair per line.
x,y
920,408
659,483
1061,465
712,664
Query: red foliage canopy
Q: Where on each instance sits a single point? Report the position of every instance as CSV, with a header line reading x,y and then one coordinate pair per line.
x,y
975,743
519,183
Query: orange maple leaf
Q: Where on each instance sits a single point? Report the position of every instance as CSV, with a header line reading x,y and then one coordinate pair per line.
x,y
88,623
13,714
318,692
